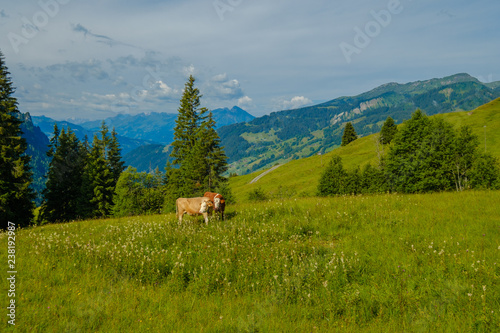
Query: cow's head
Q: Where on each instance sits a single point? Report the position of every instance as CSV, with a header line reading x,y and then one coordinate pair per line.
x,y
217,203
205,204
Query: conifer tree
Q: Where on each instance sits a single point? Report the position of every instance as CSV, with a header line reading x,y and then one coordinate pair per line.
x,y
114,157
198,160
211,159
101,179
334,178
187,122
388,130
102,171
64,178
349,134
16,194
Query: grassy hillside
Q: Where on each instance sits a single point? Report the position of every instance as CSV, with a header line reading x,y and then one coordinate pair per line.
x,y
419,263
299,178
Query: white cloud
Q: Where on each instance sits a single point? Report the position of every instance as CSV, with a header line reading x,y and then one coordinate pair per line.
x,y
219,77
189,70
295,103
219,87
245,101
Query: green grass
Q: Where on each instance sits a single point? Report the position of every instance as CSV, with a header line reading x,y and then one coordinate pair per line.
x,y
415,263
299,178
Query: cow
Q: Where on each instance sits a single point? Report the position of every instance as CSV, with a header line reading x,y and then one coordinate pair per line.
x,y
219,202
193,206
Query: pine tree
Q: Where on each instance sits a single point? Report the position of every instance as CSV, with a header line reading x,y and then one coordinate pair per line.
x,y
187,122
349,134
116,164
102,171
16,194
64,178
198,160
101,179
211,156
334,178
388,131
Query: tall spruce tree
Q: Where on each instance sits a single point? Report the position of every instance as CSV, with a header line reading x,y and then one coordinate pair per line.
x,y
198,160
16,194
349,134
64,179
213,161
388,131
187,123
102,172
114,156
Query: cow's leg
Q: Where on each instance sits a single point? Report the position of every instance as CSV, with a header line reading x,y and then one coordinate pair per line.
x,y
179,216
205,216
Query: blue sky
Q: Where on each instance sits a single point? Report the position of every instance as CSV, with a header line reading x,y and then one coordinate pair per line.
x,y
94,59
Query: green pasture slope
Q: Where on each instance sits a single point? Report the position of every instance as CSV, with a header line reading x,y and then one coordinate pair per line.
x,y
299,178
387,263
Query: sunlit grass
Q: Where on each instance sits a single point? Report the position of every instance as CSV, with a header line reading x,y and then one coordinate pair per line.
x,y
389,262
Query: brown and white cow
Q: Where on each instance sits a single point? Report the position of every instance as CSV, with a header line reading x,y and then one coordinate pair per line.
x,y
193,206
219,202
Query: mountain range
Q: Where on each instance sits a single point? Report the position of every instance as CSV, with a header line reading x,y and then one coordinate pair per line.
x,y
293,134
141,129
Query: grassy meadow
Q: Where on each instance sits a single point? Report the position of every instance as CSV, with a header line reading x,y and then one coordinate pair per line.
x,y
386,263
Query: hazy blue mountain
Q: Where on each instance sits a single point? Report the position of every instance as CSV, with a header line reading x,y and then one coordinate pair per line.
x,y
46,124
159,127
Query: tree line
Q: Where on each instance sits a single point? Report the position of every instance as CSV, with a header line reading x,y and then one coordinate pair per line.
x,y
422,155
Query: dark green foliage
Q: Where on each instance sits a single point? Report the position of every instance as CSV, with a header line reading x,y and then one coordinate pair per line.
x,y
420,159
465,153
333,180
187,123
198,160
349,134
16,194
102,172
337,181
138,193
373,180
388,131
114,157
485,173
64,179
82,178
